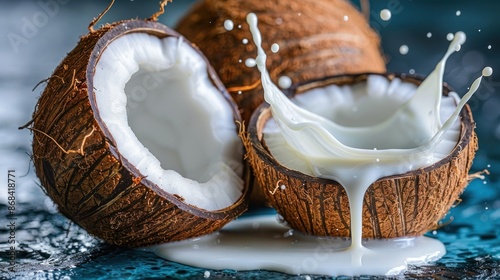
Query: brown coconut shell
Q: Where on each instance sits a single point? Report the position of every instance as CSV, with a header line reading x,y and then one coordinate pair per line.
x,y
314,38
82,170
408,204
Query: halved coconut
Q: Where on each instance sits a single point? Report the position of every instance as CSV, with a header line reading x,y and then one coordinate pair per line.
x,y
408,204
136,138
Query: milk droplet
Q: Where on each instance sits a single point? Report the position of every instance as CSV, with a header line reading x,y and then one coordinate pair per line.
x,y
275,48
450,36
487,71
458,13
282,187
240,61
385,14
429,34
244,41
240,92
403,49
346,18
250,62
284,82
239,26
206,274
228,25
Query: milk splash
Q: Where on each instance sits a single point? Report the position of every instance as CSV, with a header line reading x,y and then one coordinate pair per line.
x,y
409,135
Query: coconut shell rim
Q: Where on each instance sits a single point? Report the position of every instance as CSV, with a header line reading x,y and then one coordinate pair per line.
x,y
160,30
466,131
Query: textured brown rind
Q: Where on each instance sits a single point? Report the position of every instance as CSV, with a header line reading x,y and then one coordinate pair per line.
x,y
315,42
96,187
409,204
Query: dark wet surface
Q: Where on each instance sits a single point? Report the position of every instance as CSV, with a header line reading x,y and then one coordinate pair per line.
x,y
48,246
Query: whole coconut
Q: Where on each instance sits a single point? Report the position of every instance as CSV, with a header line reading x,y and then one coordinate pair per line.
x,y
316,39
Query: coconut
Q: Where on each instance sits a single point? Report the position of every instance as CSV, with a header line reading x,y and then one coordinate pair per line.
x,y
316,39
407,204
136,138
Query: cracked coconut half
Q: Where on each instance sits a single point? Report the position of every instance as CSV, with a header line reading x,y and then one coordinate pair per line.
x,y
135,138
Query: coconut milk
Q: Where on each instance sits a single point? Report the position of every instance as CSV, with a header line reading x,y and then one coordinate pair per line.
x,y
263,243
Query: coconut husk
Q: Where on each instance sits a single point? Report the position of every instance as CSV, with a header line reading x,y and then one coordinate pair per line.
x,y
408,204
315,41
82,170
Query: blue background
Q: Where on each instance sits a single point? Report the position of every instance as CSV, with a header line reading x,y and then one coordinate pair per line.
x,y
50,247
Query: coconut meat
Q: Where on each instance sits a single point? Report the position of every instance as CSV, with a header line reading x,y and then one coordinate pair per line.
x,y
168,120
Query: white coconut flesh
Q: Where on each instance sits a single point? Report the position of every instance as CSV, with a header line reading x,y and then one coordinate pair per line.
x,y
168,119
363,105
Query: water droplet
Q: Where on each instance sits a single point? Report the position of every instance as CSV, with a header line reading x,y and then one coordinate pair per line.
x,y
206,274
239,26
288,233
250,62
244,41
240,61
412,71
275,48
489,47
299,14
429,34
403,49
228,25
239,92
488,166
458,13
385,14
484,182
346,18
278,21
284,82
377,160
479,30
450,36
282,187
